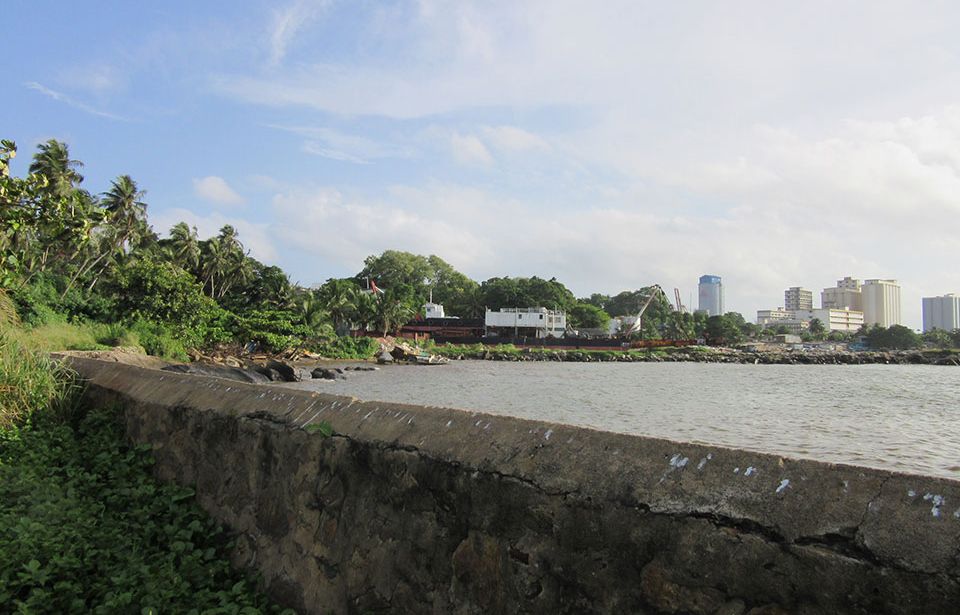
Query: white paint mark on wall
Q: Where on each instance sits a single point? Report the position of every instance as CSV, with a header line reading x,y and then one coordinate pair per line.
x,y
783,485
704,461
938,501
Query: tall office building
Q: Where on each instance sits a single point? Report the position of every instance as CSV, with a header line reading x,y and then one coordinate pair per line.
x,y
845,296
796,298
941,312
711,295
881,302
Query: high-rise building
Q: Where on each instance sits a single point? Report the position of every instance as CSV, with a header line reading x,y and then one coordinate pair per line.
x,y
711,295
796,298
941,312
845,296
881,302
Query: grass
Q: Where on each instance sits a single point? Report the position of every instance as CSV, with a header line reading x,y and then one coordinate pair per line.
x,y
28,380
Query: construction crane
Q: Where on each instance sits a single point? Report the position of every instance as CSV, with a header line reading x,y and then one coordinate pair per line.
x,y
638,323
680,307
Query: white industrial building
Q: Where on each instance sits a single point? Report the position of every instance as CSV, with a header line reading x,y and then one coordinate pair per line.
x,y
881,303
536,322
941,312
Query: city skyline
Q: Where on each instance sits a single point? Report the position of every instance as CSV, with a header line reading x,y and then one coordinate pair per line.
x,y
668,141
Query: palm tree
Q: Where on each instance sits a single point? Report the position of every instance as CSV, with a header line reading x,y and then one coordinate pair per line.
x,y
314,316
185,246
339,299
126,212
215,262
52,161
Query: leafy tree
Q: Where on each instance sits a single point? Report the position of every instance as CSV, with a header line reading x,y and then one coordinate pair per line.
x,y
161,292
817,328
724,329
587,316
938,338
896,337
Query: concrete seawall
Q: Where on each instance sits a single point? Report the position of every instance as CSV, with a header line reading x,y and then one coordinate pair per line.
x,y
421,509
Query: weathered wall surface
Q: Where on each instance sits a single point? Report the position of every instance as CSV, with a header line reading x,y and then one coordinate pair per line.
x,y
429,510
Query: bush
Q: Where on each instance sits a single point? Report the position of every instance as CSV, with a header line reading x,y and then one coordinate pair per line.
x,y
273,330
158,340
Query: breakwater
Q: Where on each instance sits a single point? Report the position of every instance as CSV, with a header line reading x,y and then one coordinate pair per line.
x,y
700,354
419,509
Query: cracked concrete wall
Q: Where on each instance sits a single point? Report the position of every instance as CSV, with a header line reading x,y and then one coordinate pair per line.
x,y
422,509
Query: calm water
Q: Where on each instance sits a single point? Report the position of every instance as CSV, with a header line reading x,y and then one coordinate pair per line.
x,y
896,417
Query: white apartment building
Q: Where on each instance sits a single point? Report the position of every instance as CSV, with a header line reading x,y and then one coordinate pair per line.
x,y
847,295
796,298
941,312
839,320
881,303
536,322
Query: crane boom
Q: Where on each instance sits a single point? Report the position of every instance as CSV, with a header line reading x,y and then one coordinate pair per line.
x,y
638,324
680,307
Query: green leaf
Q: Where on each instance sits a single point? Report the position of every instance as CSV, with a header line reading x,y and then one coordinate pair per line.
x,y
323,428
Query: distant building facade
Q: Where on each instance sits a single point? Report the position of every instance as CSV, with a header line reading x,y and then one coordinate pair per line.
x,y
941,312
881,303
839,320
846,295
536,322
771,318
796,298
711,295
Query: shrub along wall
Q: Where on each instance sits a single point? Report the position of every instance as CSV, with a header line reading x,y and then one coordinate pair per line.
x,y
412,509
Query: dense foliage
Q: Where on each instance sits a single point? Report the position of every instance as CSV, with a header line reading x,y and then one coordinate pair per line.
x,y
84,527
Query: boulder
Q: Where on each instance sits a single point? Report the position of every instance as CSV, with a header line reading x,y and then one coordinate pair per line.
x,y
278,371
326,373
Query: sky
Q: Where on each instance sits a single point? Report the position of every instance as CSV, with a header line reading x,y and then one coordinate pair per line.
x,y
612,145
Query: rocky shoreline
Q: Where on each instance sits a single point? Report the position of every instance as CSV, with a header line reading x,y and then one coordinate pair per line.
x,y
721,355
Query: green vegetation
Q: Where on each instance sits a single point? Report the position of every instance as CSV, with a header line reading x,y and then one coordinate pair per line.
x,y
84,527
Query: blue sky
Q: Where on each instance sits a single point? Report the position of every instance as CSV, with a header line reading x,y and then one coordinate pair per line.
x,y
612,146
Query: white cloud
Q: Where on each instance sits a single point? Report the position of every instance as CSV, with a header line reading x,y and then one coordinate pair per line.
x,y
512,138
469,149
71,102
288,22
217,190
337,145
